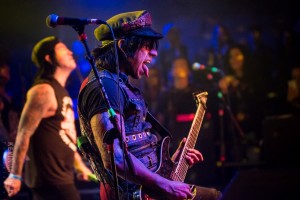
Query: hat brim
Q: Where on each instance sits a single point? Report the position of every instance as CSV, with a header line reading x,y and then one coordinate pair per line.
x,y
147,32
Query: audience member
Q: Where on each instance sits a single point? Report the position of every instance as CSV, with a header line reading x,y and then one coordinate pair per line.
x,y
293,91
173,49
177,106
243,95
221,41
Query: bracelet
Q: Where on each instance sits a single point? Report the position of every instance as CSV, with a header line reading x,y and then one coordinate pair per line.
x,y
15,176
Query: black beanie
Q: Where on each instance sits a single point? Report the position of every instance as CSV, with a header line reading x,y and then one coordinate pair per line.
x,y
42,48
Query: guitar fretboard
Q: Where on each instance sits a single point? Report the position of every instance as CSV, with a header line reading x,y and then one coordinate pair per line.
x,y
182,167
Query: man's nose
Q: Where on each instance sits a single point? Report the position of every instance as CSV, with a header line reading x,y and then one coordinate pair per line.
x,y
153,52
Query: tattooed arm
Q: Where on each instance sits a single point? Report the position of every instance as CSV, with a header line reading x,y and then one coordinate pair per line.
x,y
40,103
168,189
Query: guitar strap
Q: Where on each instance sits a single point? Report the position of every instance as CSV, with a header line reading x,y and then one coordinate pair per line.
x,y
91,153
162,131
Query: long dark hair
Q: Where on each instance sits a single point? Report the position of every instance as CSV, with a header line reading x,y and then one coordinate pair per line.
x,y
46,70
105,54
247,59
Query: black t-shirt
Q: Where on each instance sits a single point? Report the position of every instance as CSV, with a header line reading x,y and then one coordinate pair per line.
x,y
89,99
52,146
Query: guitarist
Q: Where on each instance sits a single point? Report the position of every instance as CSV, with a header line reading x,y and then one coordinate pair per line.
x,y
137,45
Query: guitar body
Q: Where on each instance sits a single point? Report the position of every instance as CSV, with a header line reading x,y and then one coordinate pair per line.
x,y
167,168
166,164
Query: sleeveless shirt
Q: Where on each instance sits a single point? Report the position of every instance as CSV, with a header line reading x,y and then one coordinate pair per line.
x,y
52,146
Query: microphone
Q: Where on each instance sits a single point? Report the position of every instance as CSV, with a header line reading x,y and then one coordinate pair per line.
x,y
197,66
53,20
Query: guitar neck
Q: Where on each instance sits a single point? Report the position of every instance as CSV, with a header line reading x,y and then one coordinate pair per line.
x,y
180,171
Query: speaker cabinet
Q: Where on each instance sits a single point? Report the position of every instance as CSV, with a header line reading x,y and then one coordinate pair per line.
x,y
281,141
258,184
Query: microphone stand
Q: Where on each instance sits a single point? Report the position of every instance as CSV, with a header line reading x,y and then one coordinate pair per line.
x,y
116,132
234,121
223,104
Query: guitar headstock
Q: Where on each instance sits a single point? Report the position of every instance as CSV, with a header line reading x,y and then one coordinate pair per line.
x,y
200,97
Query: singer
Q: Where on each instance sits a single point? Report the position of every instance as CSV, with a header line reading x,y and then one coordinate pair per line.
x,y
137,45
46,132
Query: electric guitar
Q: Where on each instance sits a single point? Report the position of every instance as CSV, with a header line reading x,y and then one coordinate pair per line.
x,y
167,168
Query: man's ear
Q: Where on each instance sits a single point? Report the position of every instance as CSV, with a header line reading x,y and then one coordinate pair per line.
x,y
120,44
47,58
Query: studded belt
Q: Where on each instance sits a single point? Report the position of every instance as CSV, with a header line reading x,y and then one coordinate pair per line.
x,y
137,136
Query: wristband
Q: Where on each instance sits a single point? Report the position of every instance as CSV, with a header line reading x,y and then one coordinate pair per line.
x,y
15,177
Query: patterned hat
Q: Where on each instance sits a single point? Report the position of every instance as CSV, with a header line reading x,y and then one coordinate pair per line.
x,y
42,48
129,23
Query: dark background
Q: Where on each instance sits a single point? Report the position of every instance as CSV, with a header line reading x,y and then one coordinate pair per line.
x,y
22,24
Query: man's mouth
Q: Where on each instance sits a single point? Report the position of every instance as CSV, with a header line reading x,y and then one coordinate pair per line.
x,y
147,62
